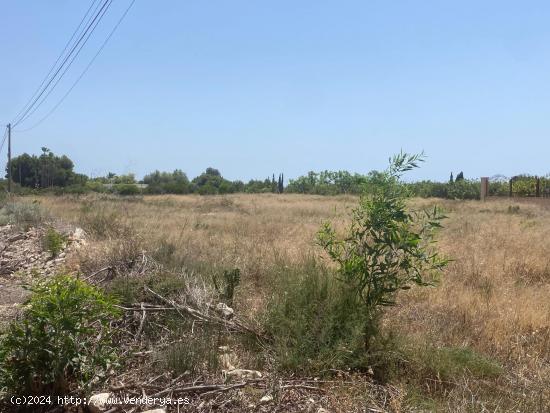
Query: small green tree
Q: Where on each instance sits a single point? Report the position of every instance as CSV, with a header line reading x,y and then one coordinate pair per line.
x,y
53,242
387,248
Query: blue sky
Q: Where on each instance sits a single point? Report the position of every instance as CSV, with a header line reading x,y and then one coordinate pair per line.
x,y
260,87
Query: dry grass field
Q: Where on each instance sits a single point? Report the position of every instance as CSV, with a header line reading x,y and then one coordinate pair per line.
x,y
493,298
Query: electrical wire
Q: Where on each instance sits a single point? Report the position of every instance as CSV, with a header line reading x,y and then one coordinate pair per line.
x,y
101,13
58,59
66,68
84,71
4,140
23,116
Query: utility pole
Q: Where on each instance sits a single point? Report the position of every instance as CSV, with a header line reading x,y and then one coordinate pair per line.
x,y
9,157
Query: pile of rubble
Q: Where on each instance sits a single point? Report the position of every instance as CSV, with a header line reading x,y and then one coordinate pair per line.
x,y
23,252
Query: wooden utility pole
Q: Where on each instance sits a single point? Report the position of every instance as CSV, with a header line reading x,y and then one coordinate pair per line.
x,y
484,192
9,157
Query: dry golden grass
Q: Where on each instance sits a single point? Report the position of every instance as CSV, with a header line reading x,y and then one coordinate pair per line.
x,y
494,297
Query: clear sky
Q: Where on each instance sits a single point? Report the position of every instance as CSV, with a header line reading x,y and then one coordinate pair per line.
x,y
260,87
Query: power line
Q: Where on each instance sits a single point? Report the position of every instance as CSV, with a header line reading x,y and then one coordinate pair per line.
x,y
4,139
58,59
107,2
84,71
82,36
66,68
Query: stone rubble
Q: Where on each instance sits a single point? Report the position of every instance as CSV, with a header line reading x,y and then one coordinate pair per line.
x,y
242,374
22,257
22,252
98,402
226,311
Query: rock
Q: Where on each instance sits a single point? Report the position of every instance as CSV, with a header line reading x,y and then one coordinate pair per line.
x,y
16,237
227,362
266,399
79,234
243,374
98,402
228,359
155,411
321,410
224,310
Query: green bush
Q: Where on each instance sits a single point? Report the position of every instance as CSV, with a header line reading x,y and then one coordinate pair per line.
x,y
96,186
76,189
62,343
319,319
53,242
166,182
313,322
386,248
450,362
459,189
424,360
126,189
226,286
195,352
463,189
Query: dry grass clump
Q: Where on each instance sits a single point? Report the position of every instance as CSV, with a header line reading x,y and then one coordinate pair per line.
x,y
493,301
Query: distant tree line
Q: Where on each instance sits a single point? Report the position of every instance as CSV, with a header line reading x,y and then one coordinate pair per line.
x,y
56,172
329,183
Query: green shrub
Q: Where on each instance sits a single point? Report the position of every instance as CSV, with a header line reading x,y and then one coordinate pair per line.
x,y
226,286
463,189
195,352
451,362
459,189
386,248
95,186
126,189
424,360
76,189
320,318
53,242
313,322
429,189
63,342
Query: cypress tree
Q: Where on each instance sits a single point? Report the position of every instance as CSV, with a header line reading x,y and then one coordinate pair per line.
x,y
280,184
